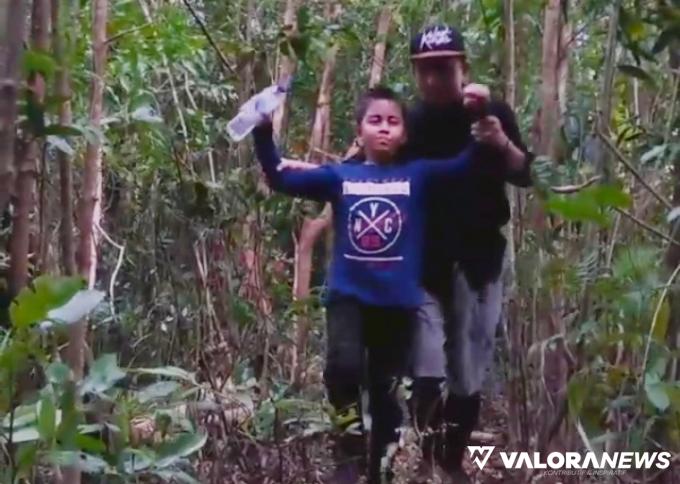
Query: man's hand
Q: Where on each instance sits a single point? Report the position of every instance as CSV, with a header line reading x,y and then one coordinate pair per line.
x,y
288,164
489,130
486,129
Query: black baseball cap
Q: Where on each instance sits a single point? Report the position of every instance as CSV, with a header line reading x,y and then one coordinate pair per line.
x,y
437,41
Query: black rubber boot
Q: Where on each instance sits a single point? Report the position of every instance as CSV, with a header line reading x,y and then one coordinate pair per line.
x,y
461,415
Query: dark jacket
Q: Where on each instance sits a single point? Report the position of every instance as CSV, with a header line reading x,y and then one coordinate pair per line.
x,y
464,217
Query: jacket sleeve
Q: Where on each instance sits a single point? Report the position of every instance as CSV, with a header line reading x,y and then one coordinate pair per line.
x,y
520,178
322,184
447,168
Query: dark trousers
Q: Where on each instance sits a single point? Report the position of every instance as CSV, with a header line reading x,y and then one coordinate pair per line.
x,y
367,344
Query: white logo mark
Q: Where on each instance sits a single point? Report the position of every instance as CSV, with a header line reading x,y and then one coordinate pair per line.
x,y
484,451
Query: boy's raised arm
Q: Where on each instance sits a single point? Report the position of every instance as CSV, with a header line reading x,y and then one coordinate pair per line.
x,y
320,183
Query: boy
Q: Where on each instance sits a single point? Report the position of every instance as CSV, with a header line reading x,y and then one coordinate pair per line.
x,y
374,284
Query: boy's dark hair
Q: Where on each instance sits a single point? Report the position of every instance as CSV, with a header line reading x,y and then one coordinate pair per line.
x,y
375,94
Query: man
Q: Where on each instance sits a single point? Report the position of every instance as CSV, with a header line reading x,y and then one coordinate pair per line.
x,y
464,252
464,247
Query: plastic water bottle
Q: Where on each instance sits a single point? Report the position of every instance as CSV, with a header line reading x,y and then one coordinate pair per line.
x,y
251,113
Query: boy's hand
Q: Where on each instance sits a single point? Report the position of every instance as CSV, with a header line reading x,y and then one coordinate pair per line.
x,y
288,164
476,98
265,119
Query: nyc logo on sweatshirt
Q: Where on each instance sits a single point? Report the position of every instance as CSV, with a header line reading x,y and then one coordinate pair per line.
x,y
375,221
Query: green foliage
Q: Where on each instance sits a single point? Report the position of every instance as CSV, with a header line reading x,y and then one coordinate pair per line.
x,y
187,204
33,303
591,204
48,426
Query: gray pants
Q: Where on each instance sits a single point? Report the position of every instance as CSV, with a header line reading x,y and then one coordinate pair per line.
x,y
458,344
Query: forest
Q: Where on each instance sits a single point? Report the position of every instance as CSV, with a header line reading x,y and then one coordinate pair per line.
x,y
160,308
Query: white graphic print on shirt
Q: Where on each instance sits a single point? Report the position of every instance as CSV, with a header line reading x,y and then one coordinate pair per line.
x,y
375,222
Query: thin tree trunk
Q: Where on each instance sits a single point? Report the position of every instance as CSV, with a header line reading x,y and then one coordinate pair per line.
x,y
321,128
90,201
246,75
63,90
11,45
607,94
548,122
555,371
516,400
312,228
27,163
287,67
672,259
380,49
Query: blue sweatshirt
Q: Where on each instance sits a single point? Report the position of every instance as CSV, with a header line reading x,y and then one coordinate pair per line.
x,y
378,219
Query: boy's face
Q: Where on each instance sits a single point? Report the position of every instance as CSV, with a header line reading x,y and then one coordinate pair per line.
x,y
440,79
382,130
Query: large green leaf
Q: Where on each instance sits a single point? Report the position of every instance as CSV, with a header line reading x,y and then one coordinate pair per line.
x,y
157,390
183,446
577,209
27,457
610,196
590,204
577,393
61,144
665,38
58,373
135,460
47,417
62,130
87,443
23,415
638,73
24,434
661,322
169,371
104,374
146,114
79,306
656,394
87,463
35,61
33,303
654,153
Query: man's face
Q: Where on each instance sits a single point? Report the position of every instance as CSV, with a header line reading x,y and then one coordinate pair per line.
x,y
440,79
